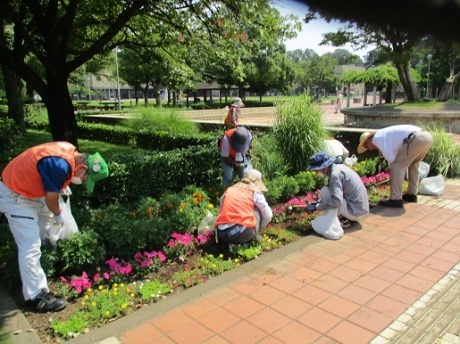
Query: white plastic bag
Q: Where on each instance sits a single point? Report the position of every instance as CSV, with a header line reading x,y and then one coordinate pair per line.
x,y
328,224
70,226
351,161
432,186
207,224
423,170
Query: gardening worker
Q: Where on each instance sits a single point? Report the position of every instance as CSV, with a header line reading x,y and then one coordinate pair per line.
x,y
30,186
233,114
335,149
404,147
243,210
344,199
234,151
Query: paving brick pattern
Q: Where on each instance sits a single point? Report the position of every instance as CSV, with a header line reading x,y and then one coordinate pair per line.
x,y
363,288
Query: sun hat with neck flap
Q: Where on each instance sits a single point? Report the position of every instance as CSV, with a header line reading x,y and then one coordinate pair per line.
x,y
252,180
320,160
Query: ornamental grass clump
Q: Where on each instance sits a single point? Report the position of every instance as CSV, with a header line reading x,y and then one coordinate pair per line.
x,y
299,131
444,154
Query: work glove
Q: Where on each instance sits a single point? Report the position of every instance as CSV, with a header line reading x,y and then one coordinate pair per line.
x,y
59,219
66,192
311,208
238,165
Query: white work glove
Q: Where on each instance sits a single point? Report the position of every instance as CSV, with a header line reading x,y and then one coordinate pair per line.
x,y
59,219
66,192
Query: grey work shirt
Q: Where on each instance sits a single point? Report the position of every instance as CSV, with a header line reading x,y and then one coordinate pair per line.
x,y
344,183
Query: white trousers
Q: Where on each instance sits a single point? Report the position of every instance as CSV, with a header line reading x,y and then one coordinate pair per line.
x,y
29,220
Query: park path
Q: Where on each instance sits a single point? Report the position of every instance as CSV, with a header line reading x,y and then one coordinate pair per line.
x,y
393,278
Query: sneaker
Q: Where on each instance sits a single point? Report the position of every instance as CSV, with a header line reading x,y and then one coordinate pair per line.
x,y
392,203
409,198
47,302
344,222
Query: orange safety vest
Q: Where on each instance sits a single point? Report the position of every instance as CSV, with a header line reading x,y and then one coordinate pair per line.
x,y
229,134
21,174
229,119
238,208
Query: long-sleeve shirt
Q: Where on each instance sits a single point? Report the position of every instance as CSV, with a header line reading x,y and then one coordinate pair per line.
x,y
344,183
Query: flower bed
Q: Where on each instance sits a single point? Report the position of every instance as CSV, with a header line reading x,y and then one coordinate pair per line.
x,y
119,287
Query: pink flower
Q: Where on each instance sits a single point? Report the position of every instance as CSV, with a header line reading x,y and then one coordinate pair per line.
x,y
63,279
106,275
80,283
96,277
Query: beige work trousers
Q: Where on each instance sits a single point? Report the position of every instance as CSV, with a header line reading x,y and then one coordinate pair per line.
x,y
408,158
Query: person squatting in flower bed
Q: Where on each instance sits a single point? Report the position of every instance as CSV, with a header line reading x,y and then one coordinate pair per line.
x,y
243,210
344,199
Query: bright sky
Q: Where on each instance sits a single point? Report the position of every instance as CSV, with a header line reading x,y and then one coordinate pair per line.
x,y
311,34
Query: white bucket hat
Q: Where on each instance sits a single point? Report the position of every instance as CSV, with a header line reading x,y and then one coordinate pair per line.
x,y
238,102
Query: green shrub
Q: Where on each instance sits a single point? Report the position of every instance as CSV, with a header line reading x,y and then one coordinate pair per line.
x,y
307,181
444,155
150,175
11,141
299,131
81,250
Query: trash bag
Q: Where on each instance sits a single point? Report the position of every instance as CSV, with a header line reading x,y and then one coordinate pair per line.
x,y
56,232
432,186
351,161
207,224
423,170
328,224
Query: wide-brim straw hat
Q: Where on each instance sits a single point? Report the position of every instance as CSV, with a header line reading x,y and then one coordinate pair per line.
x,y
362,140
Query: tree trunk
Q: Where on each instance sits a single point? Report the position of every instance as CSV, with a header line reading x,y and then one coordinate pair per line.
x,y
157,90
13,90
404,77
146,95
61,114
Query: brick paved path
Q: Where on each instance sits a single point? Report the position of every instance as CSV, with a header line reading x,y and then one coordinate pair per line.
x,y
368,287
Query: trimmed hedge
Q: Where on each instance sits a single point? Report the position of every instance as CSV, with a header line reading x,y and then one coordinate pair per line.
x,y
150,175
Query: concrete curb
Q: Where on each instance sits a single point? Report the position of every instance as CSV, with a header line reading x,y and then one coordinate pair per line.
x,y
15,322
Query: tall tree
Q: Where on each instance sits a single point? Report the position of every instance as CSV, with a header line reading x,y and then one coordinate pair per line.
x,y
396,45
63,35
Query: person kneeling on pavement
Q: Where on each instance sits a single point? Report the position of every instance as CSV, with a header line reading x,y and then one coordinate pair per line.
x,y
30,186
344,199
243,210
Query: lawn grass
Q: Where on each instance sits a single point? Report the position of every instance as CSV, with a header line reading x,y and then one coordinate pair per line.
x,y
107,150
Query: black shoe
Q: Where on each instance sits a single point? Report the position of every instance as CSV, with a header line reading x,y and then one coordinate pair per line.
x,y
392,203
47,302
409,198
344,222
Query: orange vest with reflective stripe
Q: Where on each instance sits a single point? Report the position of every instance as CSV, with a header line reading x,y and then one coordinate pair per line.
x,y
21,174
238,208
